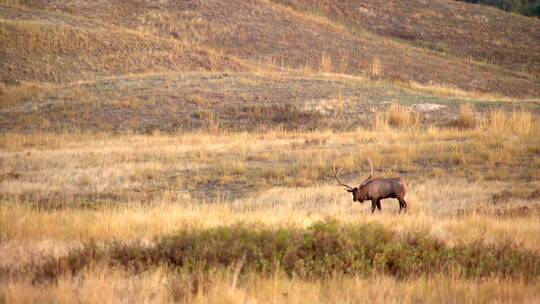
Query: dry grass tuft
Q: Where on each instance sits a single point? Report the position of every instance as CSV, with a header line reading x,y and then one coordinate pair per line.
x,y
399,116
380,122
12,94
326,65
209,120
376,69
466,117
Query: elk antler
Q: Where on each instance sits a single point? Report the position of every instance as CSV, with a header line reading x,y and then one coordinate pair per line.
x,y
337,178
370,174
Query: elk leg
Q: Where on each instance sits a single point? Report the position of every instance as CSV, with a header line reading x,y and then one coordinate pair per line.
x,y
402,204
373,206
379,205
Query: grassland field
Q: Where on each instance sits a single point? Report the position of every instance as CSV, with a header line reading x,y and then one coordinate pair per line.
x,y
214,215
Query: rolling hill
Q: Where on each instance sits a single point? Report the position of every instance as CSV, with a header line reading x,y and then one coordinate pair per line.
x,y
53,51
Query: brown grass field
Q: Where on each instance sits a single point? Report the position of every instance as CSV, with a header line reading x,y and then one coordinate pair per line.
x,y
61,192
182,151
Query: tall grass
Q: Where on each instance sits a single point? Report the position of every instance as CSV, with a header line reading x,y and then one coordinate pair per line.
x,y
326,65
401,116
520,123
165,285
397,116
208,164
376,69
470,211
467,118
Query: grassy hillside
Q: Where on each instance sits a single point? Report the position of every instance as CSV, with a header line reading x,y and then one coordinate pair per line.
x,y
192,35
229,101
54,47
455,29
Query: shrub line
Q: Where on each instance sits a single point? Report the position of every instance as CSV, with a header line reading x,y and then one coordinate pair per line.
x,y
325,248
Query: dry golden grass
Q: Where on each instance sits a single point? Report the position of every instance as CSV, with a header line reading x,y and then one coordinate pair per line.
x,y
69,48
286,177
396,116
376,69
520,123
466,117
477,184
10,95
61,168
454,92
60,191
146,39
103,285
466,214
400,116
326,64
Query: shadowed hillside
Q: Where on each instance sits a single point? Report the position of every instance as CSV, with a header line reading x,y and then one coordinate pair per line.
x,y
456,29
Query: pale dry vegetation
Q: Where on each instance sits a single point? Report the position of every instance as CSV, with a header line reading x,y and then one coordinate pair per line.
x,y
165,286
10,95
400,116
61,194
57,170
518,122
376,69
467,118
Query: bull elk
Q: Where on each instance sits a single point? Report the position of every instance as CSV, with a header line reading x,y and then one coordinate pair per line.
x,y
376,189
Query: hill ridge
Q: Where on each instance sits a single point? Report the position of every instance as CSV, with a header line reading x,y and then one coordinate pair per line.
x,y
248,35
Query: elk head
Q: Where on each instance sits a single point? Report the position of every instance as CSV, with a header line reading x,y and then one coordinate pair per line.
x,y
359,193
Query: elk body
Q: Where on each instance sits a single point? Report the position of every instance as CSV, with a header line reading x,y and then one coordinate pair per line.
x,y
377,189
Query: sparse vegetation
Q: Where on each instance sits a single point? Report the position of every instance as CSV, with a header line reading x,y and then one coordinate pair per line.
x,y
166,285
172,37
449,28
13,94
326,64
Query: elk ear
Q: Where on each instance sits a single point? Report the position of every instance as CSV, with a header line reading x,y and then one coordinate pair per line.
x,y
349,190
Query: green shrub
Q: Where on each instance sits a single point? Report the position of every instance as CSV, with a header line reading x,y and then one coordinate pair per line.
x,y
324,249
